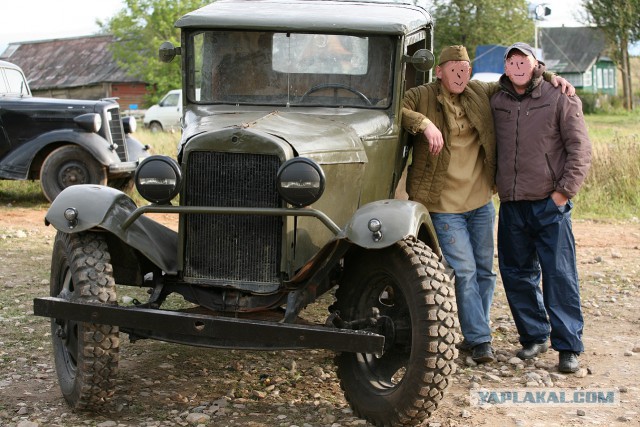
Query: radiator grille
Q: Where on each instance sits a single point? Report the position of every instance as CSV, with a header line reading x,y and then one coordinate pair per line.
x,y
117,134
233,249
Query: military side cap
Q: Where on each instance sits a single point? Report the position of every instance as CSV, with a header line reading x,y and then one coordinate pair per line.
x,y
453,53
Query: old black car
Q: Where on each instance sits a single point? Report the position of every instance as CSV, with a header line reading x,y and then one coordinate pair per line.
x,y
63,142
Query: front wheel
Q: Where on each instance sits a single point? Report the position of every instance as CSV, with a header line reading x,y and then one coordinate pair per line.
x,y
69,165
86,355
404,288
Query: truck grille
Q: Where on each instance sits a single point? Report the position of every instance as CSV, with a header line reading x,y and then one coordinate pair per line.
x,y
117,134
236,250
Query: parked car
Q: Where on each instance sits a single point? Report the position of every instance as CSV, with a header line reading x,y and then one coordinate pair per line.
x,y
166,114
286,174
63,142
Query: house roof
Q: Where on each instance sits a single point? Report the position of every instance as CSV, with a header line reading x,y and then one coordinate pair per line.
x,y
68,62
571,49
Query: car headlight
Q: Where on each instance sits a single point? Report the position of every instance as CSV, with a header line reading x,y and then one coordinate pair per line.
x,y
158,179
300,181
91,122
129,124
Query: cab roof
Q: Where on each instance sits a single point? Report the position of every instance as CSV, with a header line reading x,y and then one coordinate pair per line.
x,y
336,16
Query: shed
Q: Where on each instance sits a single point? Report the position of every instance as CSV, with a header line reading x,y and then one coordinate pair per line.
x,y
579,55
76,68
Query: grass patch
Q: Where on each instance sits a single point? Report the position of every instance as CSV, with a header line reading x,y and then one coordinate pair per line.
x,y
611,188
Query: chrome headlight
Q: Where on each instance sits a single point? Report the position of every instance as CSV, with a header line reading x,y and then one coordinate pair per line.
x,y
300,181
91,122
129,124
158,179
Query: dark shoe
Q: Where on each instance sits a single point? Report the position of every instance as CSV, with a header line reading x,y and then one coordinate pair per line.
x,y
568,362
529,351
464,346
483,353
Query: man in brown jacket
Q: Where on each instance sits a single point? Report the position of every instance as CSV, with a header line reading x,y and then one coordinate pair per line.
x,y
452,174
544,154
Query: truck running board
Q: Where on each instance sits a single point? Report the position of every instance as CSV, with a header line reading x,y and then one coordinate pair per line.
x,y
211,331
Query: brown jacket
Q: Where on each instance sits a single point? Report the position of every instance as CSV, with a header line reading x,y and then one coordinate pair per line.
x,y
542,142
427,172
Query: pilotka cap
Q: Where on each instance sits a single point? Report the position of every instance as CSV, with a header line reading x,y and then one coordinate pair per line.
x,y
453,53
522,47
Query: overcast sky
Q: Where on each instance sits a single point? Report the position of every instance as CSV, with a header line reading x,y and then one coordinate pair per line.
x,y
29,20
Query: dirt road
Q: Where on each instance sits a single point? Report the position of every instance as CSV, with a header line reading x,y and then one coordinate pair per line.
x,y
170,385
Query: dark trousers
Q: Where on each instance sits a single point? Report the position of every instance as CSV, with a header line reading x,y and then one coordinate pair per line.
x,y
535,240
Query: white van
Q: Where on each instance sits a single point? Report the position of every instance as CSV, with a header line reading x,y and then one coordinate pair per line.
x,y
166,114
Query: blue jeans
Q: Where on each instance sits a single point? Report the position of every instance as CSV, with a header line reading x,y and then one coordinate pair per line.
x,y
466,240
536,244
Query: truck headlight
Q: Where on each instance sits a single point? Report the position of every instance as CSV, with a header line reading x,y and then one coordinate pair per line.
x,y
158,179
300,181
91,122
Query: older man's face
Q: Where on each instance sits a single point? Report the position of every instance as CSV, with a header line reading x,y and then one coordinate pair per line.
x,y
454,75
519,68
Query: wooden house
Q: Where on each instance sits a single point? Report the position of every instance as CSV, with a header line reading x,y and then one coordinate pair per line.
x,y
579,55
76,68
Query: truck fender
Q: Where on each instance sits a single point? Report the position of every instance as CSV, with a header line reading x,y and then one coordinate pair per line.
x,y
104,207
397,219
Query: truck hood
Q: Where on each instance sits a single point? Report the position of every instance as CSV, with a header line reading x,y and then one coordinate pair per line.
x,y
323,134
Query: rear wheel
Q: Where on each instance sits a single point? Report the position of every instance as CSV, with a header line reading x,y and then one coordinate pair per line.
x,y
86,355
405,289
155,127
69,165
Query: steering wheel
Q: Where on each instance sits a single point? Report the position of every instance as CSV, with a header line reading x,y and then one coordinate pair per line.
x,y
336,86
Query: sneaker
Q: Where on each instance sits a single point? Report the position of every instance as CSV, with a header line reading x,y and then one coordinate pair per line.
x,y
529,351
483,353
568,362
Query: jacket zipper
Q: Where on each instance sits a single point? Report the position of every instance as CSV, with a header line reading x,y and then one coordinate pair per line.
x,y
515,160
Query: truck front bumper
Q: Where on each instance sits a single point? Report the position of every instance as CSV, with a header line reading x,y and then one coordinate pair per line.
x,y
211,331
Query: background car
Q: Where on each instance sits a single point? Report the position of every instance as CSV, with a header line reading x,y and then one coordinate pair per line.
x,y
165,115
63,142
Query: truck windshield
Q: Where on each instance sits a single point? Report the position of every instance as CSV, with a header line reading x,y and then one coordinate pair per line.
x,y
291,69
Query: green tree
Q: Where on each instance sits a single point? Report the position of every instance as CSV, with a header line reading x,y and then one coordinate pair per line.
x,y
619,21
478,22
139,29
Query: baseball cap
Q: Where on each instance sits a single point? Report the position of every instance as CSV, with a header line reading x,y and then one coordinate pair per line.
x,y
522,47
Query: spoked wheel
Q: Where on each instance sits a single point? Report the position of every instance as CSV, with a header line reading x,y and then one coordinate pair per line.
x,y
86,355
405,289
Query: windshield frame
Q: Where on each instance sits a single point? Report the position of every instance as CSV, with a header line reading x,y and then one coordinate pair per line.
x,y
249,68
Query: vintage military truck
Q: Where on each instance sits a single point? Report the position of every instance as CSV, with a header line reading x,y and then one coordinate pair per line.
x,y
290,156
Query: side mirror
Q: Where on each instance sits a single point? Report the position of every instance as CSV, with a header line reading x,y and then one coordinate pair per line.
x,y
423,60
167,52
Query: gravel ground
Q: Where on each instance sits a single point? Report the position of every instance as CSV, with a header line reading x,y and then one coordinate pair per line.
x,y
162,384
